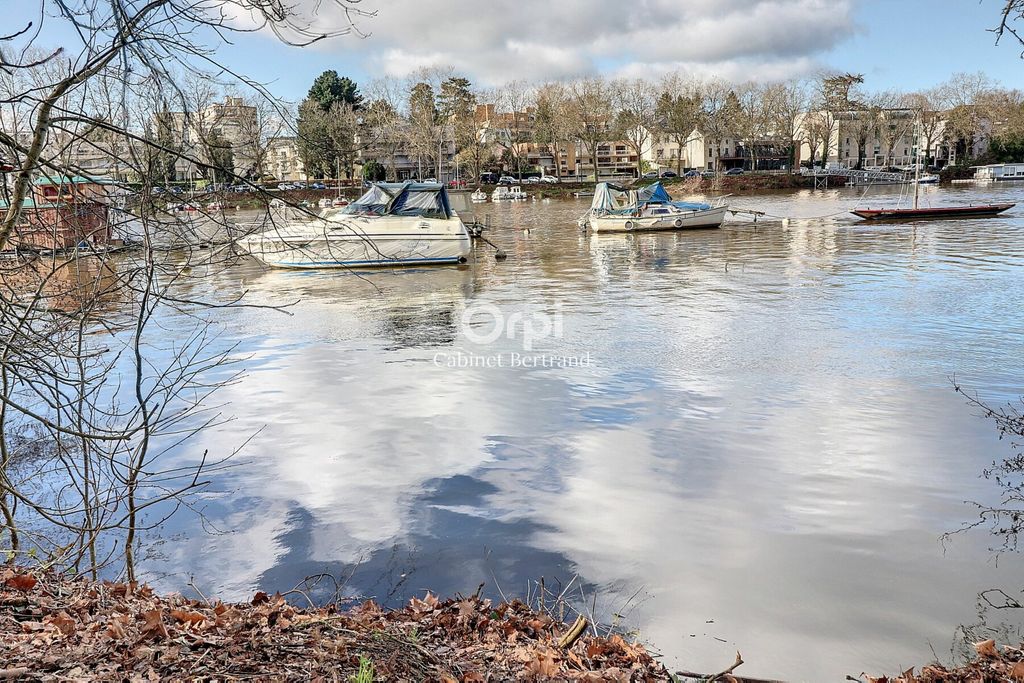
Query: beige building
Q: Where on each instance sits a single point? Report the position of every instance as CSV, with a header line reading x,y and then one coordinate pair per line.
x,y
283,160
232,121
703,154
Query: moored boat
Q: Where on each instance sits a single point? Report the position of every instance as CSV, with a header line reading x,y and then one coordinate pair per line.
x,y
478,196
966,211
916,212
616,209
503,192
392,224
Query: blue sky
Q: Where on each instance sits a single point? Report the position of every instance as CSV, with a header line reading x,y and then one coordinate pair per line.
x,y
907,44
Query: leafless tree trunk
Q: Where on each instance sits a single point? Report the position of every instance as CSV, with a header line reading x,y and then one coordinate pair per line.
x,y
92,393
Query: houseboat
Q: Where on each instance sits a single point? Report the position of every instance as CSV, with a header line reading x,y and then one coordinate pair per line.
x,y
999,172
65,213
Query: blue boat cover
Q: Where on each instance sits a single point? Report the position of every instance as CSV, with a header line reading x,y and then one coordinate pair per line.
x,y
654,194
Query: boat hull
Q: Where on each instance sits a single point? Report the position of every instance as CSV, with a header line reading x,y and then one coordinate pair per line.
x,y
686,220
361,244
980,211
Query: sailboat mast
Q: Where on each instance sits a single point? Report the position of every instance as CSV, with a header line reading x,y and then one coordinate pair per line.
x,y
917,161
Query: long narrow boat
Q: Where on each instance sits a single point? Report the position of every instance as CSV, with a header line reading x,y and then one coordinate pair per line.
x,y
969,211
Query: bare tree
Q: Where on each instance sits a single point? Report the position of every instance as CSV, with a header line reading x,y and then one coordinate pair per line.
x,y
788,103
93,392
679,113
591,114
552,126
963,95
1012,12
719,109
927,105
753,121
514,128
636,120
384,126
269,119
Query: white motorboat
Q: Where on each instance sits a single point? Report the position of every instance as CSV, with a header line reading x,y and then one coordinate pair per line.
x,y
507,192
616,209
478,196
393,224
928,179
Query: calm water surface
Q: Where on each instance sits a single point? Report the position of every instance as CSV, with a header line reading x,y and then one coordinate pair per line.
x,y
764,447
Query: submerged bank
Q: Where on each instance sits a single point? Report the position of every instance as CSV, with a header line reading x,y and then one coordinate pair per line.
x,y
56,628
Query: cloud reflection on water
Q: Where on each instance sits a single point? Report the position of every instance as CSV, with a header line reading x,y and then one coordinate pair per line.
x,y
766,439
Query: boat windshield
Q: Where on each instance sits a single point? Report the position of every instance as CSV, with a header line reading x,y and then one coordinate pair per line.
x,y
408,199
373,203
424,203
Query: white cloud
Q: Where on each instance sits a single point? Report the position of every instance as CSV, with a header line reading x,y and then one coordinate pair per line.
x,y
545,39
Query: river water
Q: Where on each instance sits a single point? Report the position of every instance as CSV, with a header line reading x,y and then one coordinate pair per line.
x,y
738,439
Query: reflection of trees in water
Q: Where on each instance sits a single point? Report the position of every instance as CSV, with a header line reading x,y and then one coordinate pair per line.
x,y
1004,520
999,611
429,324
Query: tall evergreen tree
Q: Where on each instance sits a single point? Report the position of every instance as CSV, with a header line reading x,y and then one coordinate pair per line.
x,y
329,89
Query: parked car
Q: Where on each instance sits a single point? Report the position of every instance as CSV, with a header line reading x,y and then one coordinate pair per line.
x,y
669,174
489,178
430,180
692,173
548,179
650,175
531,180
285,186
318,186
506,180
734,171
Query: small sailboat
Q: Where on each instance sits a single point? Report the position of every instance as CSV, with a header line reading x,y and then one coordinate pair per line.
x,y
617,209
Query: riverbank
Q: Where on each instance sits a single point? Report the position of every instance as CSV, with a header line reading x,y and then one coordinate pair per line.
x,y
748,183
58,628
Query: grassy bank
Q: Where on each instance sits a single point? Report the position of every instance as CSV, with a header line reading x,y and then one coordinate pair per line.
x,y
59,628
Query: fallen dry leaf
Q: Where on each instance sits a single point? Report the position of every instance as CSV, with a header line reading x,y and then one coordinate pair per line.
x,y
22,582
986,648
154,623
187,617
543,664
62,622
